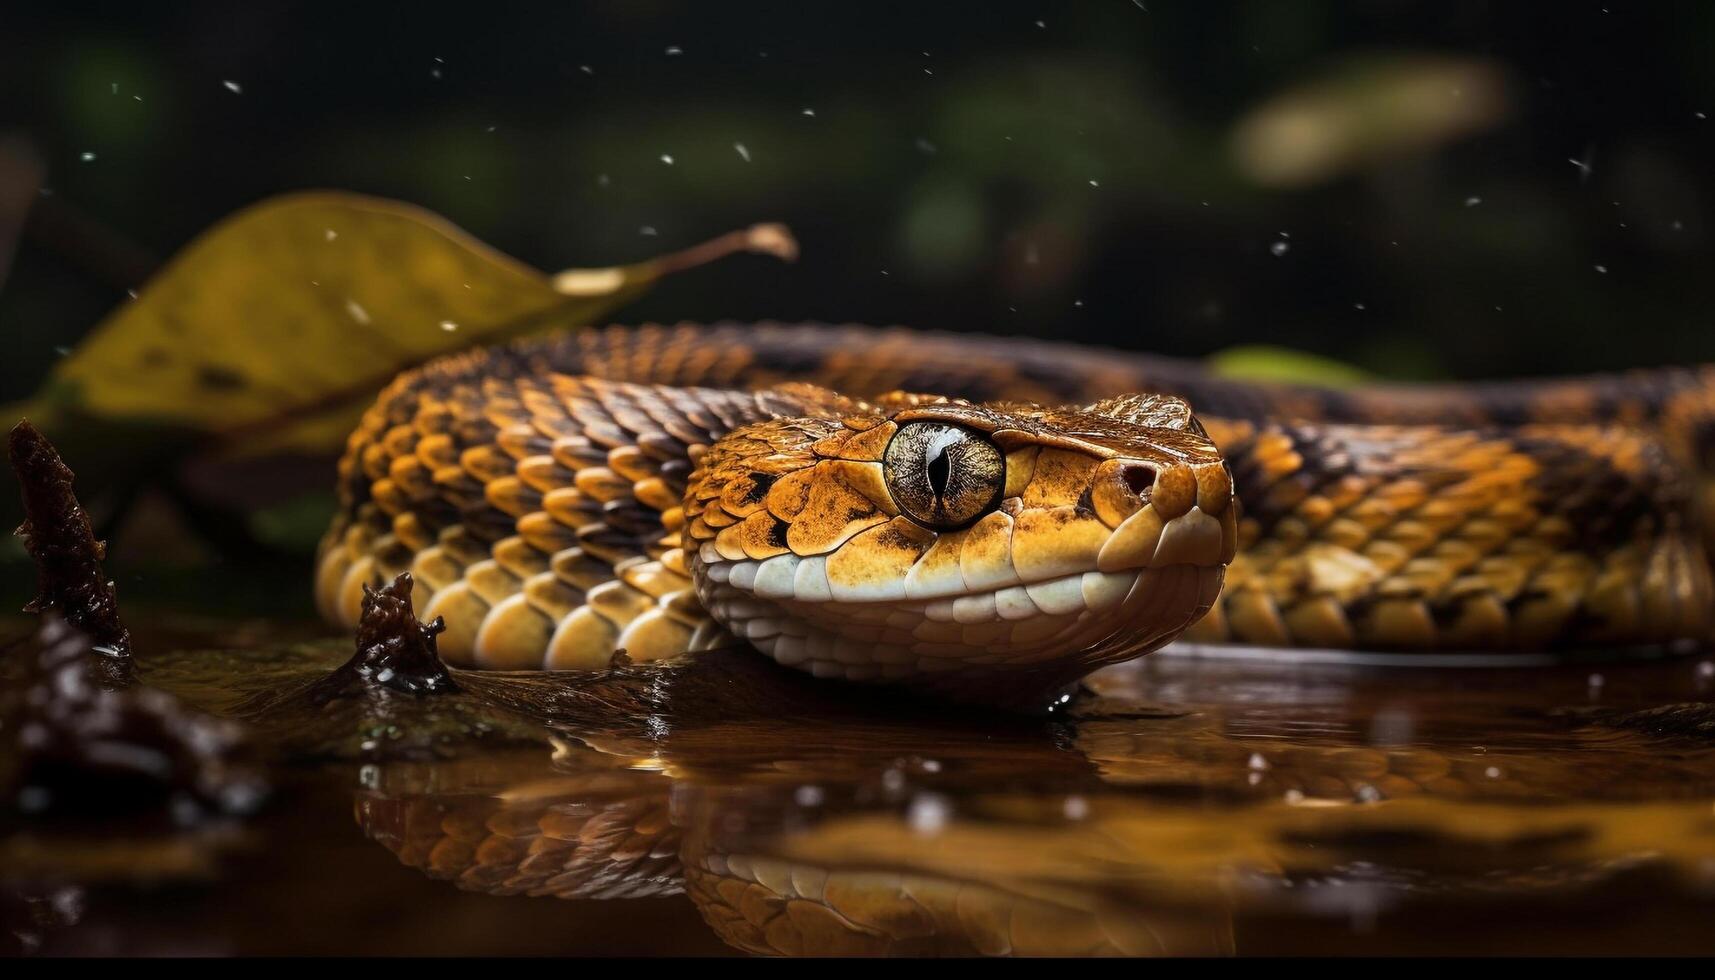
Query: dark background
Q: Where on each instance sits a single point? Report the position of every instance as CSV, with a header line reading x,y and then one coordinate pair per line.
x,y
945,178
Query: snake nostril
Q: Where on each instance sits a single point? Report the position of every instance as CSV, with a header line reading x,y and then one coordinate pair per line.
x,y
1139,479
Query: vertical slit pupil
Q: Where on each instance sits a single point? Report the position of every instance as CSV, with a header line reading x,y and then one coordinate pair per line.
x,y
940,472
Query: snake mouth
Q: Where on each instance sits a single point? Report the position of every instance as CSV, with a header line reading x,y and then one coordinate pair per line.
x,y
1141,541
1069,623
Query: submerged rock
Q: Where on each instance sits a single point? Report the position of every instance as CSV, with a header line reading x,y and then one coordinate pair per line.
x,y
83,750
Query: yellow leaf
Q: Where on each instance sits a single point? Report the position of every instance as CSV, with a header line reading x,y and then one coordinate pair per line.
x,y
1366,111
276,327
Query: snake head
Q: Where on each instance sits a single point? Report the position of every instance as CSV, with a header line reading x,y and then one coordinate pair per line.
x,y
988,551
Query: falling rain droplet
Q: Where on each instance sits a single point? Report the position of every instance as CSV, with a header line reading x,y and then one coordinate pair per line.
x,y
929,813
1279,248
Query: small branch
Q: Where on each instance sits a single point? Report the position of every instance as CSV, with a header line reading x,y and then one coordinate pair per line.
x,y
57,533
762,239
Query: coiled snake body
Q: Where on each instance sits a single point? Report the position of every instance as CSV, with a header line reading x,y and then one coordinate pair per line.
x,y
992,518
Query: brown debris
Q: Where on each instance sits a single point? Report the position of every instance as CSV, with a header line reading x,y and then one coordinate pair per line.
x,y
58,535
83,750
395,651
1695,719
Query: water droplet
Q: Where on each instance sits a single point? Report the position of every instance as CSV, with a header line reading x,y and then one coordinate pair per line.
x,y
743,152
1075,808
233,87
449,326
809,112
86,156
673,50
667,158
929,813
808,796
1473,201
1257,761
1279,248
1391,726
1493,772
1602,269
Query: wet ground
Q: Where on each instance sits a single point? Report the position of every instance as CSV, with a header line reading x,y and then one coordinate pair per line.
x,y
1185,805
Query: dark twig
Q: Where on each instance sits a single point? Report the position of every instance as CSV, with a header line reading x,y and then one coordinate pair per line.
x,y
57,532
395,651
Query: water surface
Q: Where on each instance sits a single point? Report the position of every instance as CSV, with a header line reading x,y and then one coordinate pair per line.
x,y
1184,805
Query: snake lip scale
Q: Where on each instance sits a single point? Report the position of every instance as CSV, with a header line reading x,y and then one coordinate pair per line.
x,y
990,519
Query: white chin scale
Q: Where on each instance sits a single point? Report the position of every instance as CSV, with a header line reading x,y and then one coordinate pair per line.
x,y
784,606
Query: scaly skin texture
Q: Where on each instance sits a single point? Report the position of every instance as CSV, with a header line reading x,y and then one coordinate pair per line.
x,y
660,490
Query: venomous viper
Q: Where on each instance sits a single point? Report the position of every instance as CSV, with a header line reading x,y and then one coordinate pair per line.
x,y
991,519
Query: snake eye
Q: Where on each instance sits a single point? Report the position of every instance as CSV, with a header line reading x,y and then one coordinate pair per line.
x,y
942,476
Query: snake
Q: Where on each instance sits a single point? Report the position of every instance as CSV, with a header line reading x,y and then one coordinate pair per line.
x,y
992,518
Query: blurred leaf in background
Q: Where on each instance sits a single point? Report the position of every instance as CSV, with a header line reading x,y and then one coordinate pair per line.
x,y
277,327
273,331
1365,111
